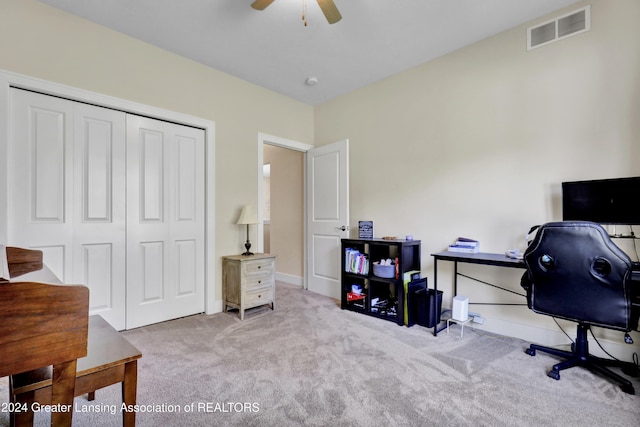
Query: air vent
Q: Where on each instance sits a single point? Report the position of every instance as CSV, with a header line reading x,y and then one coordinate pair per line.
x,y
564,26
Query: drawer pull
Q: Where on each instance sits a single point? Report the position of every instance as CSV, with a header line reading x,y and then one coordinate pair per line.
x,y
259,281
259,296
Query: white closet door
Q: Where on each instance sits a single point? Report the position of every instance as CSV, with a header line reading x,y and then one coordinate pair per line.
x,y
165,221
99,249
67,192
40,190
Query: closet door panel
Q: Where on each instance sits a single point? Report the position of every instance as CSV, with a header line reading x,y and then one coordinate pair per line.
x,y
40,186
186,179
188,212
152,269
99,257
165,221
47,161
151,175
186,251
97,270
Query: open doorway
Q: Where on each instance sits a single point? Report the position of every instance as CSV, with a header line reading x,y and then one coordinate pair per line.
x,y
281,205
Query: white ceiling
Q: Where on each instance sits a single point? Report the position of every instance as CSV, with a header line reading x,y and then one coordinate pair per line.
x,y
273,48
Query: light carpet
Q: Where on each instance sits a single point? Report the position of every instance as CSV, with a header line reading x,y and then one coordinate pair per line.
x,y
309,363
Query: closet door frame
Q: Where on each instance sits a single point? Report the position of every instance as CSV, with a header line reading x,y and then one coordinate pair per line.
x,y
8,80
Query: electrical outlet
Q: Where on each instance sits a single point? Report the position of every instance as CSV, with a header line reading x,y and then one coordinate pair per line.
x,y
479,320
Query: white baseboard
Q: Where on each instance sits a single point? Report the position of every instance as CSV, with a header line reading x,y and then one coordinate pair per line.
x,y
289,278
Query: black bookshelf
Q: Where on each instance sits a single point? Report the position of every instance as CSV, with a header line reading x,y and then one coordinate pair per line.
x,y
381,297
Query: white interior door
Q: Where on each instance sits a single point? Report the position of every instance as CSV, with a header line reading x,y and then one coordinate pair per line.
x,y
66,187
165,221
99,234
327,215
40,211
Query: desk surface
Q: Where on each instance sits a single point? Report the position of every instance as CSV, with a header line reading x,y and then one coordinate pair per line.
x,y
480,258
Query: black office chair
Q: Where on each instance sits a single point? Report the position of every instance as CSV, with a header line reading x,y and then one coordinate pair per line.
x,y
575,272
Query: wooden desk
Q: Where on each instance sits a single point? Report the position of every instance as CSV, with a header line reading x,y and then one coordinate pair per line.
x,y
110,359
498,260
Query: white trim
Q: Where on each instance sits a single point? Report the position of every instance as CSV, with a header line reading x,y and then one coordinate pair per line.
x,y
9,79
290,279
263,139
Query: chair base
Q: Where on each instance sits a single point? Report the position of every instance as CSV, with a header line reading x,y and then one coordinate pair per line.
x,y
579,356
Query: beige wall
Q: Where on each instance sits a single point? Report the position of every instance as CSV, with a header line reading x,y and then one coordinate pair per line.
x,y
39,41
476,143
287,209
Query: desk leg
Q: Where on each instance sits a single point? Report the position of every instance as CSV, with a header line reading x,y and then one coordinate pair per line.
x,y
129,389
435,291
455,278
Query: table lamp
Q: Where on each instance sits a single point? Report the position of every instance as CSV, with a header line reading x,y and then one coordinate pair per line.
x,y
247,216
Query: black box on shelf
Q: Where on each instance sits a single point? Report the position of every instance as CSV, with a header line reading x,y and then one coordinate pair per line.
x,y
429,308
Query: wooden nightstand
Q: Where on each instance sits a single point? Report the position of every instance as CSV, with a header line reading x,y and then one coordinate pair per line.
x,y
248,281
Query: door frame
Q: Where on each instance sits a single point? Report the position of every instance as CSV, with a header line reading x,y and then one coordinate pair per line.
x,y
277,141
9,80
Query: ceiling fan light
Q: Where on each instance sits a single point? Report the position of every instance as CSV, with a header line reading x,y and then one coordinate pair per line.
x,y
311,81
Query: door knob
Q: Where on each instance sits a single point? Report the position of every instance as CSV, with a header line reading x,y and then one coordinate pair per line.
x,y
343,228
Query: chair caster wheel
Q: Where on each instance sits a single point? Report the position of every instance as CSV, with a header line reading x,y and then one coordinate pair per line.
x,y
530,352
554,374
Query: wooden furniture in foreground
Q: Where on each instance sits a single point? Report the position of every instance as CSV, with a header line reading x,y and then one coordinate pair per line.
x,y
43,325
110,359
22,261
248,281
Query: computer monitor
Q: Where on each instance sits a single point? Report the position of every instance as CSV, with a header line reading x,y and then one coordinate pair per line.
x,y
604,201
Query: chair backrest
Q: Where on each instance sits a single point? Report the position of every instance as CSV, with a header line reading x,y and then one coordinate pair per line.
x,y
41,325
577,273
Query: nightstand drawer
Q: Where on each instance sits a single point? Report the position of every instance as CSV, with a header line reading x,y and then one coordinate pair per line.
x,y
259,266
259,298
252,284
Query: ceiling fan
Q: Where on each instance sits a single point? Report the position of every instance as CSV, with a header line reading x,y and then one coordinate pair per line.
x,y
328,7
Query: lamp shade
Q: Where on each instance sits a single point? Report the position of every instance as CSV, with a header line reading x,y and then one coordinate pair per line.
x,y
248,216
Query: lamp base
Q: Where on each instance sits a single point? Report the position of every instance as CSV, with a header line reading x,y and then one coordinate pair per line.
x,y
247,246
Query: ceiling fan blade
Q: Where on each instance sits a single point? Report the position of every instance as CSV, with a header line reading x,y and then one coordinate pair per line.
x,y
261,4
330,11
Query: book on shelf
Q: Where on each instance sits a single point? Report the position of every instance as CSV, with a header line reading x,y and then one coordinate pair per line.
x,y
356,262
